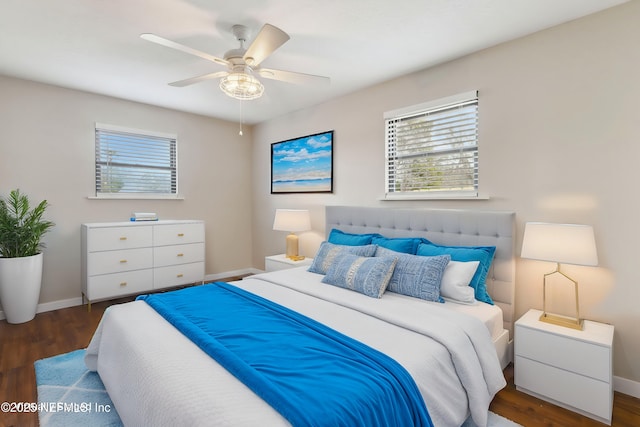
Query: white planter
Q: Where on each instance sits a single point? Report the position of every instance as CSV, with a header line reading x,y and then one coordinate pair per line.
x,y
20,280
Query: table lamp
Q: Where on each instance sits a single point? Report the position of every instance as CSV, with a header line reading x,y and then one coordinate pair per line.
x,y
562,244
292,220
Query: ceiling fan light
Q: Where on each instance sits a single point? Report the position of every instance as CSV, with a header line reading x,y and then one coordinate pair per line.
x,y
241,86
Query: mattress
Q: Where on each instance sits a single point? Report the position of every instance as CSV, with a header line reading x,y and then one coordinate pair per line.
x,y
156,376
489,315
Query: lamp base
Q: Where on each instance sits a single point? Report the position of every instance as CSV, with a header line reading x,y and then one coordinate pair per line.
x,y
556,319
292,248
567,322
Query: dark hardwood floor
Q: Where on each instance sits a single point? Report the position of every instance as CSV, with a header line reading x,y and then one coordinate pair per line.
x,y
61,331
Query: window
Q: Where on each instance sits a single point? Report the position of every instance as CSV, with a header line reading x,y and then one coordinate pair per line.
x,y
432,149
134,163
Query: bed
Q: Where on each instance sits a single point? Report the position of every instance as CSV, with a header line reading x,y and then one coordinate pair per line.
x,y
450,227
155,375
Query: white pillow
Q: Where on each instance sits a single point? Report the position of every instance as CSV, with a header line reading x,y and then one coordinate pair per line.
x,y
456,279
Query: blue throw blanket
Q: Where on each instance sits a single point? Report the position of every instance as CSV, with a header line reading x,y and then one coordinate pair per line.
x,y
311,374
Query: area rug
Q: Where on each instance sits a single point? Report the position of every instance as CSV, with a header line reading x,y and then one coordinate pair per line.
x,y
69,395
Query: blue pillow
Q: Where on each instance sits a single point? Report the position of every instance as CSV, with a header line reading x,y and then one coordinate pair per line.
x,y
484,254
369,276
416,276
407,245
338,237
328,253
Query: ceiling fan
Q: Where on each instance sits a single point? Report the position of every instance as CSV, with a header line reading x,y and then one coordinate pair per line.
x,y
239,80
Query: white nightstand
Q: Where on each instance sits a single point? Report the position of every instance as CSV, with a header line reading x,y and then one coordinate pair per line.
x,y
281,262
567,367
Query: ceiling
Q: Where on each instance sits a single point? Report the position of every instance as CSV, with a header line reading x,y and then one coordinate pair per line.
x,y
94,45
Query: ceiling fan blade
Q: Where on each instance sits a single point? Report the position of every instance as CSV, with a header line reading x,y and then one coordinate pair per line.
x,y
292,77
198,79
186,49
266,42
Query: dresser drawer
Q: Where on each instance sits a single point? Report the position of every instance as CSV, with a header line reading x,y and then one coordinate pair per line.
x,y
119,261
113,285
573,355
178,234
113,238
271,265
175,275
178,254
584,393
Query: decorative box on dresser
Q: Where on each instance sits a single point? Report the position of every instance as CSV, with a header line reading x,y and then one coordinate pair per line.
x,y
568,367
123,258
281,262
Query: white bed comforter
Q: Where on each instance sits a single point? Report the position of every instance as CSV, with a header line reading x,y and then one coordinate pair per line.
x,y
156,376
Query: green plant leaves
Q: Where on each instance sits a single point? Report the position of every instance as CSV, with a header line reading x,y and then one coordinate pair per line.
x,y
21,228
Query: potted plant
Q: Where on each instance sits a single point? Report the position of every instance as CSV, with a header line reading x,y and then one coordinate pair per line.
x,y
21,231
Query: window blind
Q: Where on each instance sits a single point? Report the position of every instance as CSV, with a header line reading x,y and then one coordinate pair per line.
x,y
433,148
134,162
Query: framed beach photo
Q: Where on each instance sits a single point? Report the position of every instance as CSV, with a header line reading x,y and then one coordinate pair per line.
x,y
303,165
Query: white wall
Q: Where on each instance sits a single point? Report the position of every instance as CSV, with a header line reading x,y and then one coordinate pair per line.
x,y
47,150
559,142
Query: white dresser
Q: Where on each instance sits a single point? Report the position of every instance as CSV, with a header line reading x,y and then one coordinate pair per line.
x,y
567,367
122,258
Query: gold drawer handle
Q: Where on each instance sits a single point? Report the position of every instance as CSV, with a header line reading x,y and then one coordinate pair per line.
x,y
180,234
123,284
180,254
179,275
123,238
122,261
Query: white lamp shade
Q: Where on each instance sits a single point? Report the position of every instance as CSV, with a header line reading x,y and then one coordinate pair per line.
x,y
292,220
561,243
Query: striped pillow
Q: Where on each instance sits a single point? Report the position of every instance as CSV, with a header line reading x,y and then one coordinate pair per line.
x,y
369,276
416,276
329,252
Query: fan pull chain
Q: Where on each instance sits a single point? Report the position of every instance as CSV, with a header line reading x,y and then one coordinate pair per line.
x,y
240,133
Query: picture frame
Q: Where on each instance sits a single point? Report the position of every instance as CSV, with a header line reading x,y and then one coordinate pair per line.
x,y
303,164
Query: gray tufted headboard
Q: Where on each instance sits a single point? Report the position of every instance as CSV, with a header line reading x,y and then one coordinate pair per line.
x,y
445,227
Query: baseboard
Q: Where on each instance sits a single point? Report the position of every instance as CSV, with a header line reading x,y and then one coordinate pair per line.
x,y
72,302
625,386
53,305
56,305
